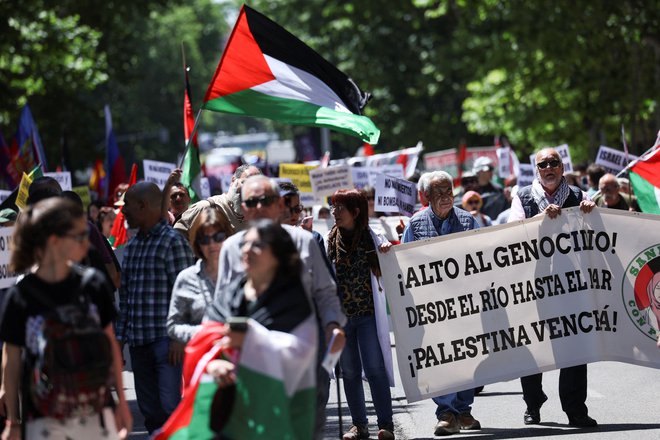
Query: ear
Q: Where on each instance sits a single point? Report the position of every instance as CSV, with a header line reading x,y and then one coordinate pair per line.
x,y
357,213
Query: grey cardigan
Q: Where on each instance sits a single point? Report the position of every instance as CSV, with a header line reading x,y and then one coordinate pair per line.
x,y
192,292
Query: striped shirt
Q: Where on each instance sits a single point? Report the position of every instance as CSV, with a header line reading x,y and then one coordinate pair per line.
x,y
150,266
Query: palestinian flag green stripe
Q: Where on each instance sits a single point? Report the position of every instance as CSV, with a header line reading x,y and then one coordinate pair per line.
x,y
648,196
199,426
277,417
252,103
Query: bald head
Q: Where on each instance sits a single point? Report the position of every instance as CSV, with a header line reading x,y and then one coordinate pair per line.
x,y
549,169
142,205
608,185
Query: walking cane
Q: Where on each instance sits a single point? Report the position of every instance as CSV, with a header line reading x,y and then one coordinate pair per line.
x,y
337,376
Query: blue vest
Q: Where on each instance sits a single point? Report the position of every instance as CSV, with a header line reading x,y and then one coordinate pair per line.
x,y
458,220
531,208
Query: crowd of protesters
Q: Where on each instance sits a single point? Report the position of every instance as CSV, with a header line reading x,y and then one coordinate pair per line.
x,y
251,253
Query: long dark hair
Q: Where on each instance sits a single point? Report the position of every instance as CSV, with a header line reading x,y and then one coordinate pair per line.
x,y
52,216
281,244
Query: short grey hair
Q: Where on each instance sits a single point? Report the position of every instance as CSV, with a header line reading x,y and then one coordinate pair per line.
x,y
439,175
423,182
258,178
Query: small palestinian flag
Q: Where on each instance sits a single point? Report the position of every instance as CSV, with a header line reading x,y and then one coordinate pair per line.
x,y
266,72
645,179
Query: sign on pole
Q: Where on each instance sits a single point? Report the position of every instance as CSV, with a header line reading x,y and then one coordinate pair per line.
x,y
63,178
613,160
325,181
157,172
395,195
7,278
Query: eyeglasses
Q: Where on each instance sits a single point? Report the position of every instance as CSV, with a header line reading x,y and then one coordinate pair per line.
x,y
553,163
473,202
80,236
297,209
263,201
218,237
337,208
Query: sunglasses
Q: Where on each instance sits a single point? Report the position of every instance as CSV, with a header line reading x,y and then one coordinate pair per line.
x,y
553,163
256,244
263,201
297,209
218,237
80,236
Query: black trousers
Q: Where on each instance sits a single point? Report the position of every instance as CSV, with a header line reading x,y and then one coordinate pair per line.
x,y
572,390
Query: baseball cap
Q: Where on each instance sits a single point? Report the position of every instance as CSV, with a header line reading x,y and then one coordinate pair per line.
x,y
482,163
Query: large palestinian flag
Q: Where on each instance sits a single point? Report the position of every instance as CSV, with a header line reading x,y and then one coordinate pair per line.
x,y
645,179
275,395
266,72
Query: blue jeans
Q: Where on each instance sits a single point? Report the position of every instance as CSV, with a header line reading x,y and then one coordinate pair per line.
x,y
157,383
362,351
455,403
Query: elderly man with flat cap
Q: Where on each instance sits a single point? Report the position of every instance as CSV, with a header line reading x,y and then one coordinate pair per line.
x,y
547,195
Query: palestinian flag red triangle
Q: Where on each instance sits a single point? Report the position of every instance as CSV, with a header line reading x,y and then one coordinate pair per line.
x,y
266,72
242,66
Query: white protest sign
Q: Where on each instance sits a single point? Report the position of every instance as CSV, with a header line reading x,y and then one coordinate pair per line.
x,y
498,303
4,194
63,178
225,182
363,176
395,195
612,160
157,172
525,174
7,278
205,188
504,162
325,181
565,154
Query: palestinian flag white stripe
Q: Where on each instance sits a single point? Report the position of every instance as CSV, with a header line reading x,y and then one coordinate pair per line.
x,y
294,83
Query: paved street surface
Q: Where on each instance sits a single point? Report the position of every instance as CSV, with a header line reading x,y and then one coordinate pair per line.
x,y
622,398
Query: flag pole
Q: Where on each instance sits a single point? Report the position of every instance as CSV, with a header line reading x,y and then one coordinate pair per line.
x,y
199,112
634,162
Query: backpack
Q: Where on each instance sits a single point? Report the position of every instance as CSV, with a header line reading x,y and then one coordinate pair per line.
x,y
70,370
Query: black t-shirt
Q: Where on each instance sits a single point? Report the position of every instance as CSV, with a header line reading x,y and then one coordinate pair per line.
x,y
18,307
20,310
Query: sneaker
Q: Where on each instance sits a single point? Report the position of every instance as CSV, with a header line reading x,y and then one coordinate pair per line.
x,y
468,422
532,416
447,425
386,432
357,432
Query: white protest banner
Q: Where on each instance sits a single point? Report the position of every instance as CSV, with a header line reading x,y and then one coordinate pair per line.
x,y
325,181
4,194
445,160
395,195
360,176
498,303
205,188
408,157
7,278
613,160
63,178
525,174
565,154
387,226
157,172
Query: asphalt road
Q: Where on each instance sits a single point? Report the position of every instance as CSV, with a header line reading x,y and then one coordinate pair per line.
x,y
623,399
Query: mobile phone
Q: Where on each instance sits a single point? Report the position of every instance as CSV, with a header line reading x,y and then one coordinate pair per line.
x,y
238,324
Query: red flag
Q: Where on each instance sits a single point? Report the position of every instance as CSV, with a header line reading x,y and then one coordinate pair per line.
x,y
118,237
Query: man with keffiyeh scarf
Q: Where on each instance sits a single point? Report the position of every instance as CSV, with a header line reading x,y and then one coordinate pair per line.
x,y
548,194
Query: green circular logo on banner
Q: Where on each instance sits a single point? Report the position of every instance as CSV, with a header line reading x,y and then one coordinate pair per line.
x,y
640,291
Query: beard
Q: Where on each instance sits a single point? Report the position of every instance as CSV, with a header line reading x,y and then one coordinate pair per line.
x,y
235,198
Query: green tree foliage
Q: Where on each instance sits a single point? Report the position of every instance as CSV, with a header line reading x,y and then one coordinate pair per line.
x,y
68,59
541,73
